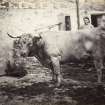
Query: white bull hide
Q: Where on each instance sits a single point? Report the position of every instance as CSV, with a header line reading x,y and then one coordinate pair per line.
x,y
52,48
66,44
63,46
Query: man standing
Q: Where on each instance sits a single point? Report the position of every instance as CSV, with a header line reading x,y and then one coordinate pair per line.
x,y
99,51
100,34
87,24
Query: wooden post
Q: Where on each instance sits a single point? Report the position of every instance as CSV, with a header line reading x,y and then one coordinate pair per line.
x,y
77,10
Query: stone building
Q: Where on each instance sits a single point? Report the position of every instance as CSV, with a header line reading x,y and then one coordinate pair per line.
x,y
36,14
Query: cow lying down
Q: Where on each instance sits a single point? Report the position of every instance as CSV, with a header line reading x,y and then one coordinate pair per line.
x,y
51,48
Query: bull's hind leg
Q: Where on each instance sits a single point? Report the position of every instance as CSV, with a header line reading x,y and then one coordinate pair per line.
x,y
56,69
99,66
53,74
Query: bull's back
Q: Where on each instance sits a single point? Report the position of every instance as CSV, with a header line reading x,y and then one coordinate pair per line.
x,y
67,44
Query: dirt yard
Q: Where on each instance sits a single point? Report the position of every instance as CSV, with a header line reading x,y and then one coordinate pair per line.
x,y
79,88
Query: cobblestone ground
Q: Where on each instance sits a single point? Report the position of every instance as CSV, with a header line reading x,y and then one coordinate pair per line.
x,y
78,88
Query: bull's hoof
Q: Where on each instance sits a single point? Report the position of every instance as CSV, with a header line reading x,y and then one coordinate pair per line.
x,y
53,81
89,69
50,85
58,85
71,81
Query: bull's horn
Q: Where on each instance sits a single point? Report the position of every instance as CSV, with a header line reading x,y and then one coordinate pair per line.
x,y
12,36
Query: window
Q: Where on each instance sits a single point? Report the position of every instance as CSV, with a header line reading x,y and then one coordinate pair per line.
x,y
67,23
95,19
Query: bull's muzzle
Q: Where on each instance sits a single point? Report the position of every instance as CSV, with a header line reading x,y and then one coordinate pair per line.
x,y
24,54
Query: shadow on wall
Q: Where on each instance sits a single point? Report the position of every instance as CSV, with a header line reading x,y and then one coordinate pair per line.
x,y
8,64
5,51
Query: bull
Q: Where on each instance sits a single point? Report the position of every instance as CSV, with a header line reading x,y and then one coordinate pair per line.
x,y
53,48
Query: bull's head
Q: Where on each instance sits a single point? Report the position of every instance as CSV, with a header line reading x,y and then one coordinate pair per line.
x,y
25,45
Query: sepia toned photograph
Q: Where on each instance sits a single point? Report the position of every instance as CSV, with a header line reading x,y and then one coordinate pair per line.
x,y
52,52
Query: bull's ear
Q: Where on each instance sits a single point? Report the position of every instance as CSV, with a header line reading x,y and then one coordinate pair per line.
x,y
40,35
36,39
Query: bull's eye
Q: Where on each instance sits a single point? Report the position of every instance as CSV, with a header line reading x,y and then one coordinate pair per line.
x,y
24,42
29,44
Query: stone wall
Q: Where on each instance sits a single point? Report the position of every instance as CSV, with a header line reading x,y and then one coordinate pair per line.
x,y
54,8
37,4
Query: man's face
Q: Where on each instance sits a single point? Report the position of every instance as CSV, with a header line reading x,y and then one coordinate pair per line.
x,y
102,22
86,21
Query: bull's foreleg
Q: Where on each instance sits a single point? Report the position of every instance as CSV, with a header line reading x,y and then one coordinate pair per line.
x,y
56,70
99,66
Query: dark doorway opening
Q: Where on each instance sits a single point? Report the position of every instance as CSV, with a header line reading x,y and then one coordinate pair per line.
x,y
95,19
67,23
